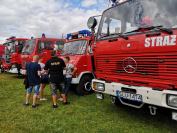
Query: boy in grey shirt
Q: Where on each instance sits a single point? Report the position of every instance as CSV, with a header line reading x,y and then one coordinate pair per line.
x,y
69,72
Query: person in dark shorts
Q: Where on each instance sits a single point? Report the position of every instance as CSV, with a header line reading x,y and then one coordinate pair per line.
x,y
44,81
33,71
55,67
68,73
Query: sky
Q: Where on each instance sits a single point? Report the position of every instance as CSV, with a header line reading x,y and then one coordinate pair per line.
x,y
26,18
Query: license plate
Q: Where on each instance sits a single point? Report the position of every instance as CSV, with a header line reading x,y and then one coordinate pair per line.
x,y
174,116
130,96
99,96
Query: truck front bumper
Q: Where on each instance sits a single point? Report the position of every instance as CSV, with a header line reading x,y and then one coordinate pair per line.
x,y
150,96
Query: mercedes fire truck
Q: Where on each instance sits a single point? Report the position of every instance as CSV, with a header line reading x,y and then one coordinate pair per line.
x,y
42,47
78,48
135,54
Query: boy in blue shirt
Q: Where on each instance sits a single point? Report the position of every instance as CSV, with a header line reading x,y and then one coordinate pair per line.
x,y
33,71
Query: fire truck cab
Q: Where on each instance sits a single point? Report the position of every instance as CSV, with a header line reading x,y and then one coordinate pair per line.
x,y
42,47
12,55
78,48
136,54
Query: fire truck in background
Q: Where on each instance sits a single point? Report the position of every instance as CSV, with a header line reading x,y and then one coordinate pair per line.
x,y
78,48
135,54
42,47
2,52
12,54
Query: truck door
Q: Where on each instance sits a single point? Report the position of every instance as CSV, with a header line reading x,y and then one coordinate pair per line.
x,y
83,61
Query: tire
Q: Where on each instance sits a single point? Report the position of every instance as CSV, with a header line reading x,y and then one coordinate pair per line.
x,y
18,66
84,86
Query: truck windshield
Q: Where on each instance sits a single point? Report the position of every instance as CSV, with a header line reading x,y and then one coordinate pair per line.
x,y
29,47
60,45
134,14
11,46
75,47
15,46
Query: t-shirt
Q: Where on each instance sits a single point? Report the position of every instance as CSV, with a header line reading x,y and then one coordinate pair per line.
x,y
69,70
42,68
55,67
42,65
32,73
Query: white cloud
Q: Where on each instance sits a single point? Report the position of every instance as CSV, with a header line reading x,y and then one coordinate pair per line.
x,y
88,3
26,18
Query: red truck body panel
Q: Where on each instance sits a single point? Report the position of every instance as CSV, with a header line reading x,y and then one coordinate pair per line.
x,y
2,50
156,66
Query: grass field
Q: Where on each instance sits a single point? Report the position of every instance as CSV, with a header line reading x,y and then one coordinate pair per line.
x,y
84,115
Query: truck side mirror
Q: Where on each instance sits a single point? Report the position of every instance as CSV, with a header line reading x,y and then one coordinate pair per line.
x,y
92,23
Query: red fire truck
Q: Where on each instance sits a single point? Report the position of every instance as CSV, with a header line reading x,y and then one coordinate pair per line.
x,y
78,48
13,49
42,47
136,54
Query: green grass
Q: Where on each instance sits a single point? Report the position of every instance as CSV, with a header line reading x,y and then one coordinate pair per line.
x,y
84,115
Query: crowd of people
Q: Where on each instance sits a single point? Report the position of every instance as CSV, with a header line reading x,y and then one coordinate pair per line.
x,y
57,72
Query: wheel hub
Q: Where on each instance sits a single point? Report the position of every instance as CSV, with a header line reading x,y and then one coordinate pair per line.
x,y
88,87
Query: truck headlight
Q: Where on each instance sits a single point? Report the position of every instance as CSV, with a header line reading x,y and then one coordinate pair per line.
x,y
98,86
172,100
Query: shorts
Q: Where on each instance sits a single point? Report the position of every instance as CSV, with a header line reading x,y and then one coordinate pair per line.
x,y
36,89
54,87
67,85
44,79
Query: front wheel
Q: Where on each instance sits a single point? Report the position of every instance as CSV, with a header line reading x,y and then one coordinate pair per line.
x,y
84,86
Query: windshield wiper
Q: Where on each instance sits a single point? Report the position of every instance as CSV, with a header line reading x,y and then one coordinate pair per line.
x,y
121,35
25,52
159,27
117,34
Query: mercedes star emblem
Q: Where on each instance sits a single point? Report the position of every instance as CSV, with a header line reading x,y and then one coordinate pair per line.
x,y
129,65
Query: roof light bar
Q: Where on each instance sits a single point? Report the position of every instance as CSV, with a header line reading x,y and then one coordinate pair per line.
x,y
75,35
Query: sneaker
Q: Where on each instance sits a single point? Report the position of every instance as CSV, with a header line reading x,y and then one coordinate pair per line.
x,y
43,99
34,106
26,104
66,103
55,106
60,99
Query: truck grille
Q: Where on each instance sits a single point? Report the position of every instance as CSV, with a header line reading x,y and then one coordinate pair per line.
x,y
151,67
